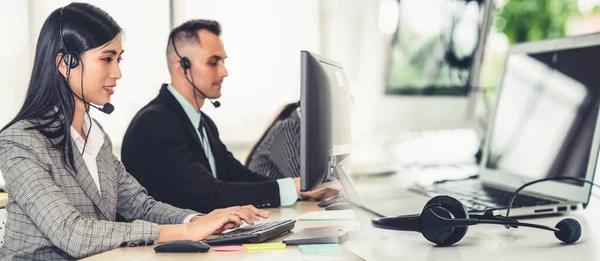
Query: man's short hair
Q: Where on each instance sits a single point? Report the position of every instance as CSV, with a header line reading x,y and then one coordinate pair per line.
x,y
187,33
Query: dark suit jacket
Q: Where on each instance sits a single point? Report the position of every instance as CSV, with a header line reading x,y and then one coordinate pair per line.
x,y
163,152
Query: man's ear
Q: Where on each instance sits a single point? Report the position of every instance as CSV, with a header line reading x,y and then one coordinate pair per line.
x,y
179,69
62,67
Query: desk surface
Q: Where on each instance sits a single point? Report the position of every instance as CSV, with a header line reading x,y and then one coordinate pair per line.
x,y
147,252
482,242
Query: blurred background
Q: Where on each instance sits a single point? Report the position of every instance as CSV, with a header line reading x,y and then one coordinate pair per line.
x,y
423,73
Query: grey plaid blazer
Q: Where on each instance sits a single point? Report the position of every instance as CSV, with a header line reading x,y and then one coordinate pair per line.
x,y
55,213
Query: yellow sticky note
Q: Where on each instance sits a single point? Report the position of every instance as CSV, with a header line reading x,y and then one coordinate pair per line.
x,y
264,246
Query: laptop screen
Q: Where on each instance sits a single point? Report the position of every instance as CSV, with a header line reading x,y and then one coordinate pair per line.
x,y
546,113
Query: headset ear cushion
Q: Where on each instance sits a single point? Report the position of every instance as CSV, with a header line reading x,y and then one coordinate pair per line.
x,y
457,209
185,63
71,60
450,203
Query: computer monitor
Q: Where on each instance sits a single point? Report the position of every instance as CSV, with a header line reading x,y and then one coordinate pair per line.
x,y
325,119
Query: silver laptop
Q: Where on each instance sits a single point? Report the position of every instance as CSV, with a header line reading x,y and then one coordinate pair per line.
x,y
545,125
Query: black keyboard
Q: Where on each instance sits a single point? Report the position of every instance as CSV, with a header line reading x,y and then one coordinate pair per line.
x,y
256,233
478,198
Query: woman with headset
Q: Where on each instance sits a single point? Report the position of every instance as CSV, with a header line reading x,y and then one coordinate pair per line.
x,y
65,186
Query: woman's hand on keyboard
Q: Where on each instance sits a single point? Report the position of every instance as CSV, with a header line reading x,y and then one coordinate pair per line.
x,y
248,210
201,227
220,220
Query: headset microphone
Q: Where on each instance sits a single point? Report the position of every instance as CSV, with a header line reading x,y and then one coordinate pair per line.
x,y
569,230
108,108
216,104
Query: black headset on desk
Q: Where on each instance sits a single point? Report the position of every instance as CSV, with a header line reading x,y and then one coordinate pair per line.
x,y
444,220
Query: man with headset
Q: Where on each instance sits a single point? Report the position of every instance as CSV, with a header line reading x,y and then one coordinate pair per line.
x,y
173,149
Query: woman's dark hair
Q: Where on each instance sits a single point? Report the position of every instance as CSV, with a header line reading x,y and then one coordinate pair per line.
x,y
283,114
49,103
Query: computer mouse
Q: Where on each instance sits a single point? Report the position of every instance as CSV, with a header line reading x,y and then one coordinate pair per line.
x,y
339,206
182,246
333,200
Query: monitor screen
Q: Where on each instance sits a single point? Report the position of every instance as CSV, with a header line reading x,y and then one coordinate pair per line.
x,y
325,106
433,48
546,113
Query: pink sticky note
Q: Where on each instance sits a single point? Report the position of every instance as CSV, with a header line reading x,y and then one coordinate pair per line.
x,y
229,249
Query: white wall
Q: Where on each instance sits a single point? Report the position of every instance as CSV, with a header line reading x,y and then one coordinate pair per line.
x,y
15,65
263,40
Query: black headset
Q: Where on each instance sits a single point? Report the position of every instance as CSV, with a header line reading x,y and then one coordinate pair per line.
x,y
71,59
450,55
186,64
444,221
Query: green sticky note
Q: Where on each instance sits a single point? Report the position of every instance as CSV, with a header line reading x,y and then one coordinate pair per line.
x,y
320,248
264,246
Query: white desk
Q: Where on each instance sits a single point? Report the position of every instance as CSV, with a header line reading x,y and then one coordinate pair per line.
x,y
147,252
482,242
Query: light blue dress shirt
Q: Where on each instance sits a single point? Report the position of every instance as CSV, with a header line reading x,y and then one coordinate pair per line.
x,y
287,187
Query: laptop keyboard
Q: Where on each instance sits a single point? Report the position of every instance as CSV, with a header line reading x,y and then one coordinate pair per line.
x,y
477,197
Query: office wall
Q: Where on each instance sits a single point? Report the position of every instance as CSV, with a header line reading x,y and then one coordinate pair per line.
x,y
263,48
15,64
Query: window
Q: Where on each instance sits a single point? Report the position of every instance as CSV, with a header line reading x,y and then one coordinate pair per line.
x,y
433,47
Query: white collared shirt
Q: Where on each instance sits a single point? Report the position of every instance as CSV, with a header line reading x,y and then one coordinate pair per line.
x,y
95,140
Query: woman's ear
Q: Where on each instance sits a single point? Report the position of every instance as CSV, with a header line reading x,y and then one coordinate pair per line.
x,y
60,65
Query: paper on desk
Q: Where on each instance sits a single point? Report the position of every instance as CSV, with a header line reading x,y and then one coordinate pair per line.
x,y
264,246
329,215
320,248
